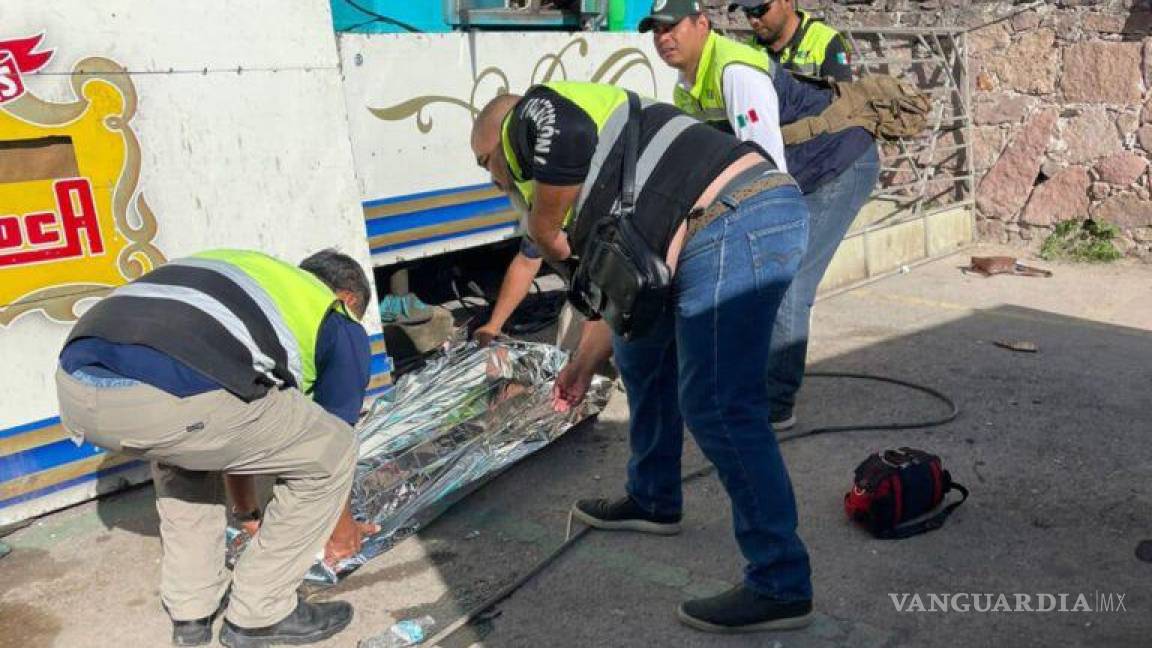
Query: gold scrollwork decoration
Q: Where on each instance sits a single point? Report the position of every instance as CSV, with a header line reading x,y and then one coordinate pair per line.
x,y
140,255
557,62
58,303
638,58
549,67
417,105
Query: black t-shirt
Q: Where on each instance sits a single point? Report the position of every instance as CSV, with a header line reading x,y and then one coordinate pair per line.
x,y
554,136
554,141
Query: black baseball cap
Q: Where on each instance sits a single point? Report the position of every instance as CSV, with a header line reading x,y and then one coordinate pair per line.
x,y
670,12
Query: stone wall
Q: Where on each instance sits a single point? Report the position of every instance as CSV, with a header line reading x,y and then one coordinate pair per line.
x,y
1062,107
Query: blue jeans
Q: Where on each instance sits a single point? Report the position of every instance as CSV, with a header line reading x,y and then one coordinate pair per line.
x,y
832,208
703,366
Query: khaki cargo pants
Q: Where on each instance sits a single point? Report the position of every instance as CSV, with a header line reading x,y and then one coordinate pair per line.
x,y
311,453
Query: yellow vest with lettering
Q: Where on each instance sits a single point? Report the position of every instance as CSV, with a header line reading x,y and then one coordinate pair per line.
x,y
597,100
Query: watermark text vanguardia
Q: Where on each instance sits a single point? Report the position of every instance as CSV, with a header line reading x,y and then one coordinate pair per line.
x,y
1017,602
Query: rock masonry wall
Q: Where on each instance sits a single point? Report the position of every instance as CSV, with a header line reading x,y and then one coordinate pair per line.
x,y
1062,106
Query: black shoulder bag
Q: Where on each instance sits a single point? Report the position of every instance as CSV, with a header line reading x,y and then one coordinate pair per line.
x,y
620,278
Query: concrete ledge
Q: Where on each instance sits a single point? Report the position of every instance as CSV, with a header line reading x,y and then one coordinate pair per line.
x,y
950,230
875,247
876,212
896,245
849,266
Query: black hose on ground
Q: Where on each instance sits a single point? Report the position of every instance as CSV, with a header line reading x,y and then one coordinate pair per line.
x,y
508,590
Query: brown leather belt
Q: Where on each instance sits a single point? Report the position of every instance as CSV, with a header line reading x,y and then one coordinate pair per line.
x,y
736,192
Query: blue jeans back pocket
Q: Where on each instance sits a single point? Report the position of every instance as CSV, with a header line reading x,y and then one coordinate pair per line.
x,y
776,252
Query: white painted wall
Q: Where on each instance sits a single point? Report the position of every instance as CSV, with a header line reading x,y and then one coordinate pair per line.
x,y
243,133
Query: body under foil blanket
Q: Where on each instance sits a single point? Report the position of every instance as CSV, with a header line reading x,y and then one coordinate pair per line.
x,y
447,429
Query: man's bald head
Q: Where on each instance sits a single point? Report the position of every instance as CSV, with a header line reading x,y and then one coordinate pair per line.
x,y
486,128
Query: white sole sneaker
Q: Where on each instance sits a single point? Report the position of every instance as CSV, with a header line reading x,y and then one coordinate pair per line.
x,y
642,526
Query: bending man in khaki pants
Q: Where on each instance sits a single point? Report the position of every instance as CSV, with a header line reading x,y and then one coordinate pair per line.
x,y
232,361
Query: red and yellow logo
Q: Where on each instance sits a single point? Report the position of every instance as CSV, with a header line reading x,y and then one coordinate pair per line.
x,y
72,223
16,59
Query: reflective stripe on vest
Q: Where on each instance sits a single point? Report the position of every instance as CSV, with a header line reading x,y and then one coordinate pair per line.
x,y
294,301
263,300
205,303
705,100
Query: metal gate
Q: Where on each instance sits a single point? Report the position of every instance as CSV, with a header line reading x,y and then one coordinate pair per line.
x,y
935,171
924,204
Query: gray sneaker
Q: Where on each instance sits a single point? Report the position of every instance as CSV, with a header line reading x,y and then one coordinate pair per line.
x,y
623,515
742,610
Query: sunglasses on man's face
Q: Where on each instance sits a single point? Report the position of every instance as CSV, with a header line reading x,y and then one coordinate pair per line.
x,y
758,12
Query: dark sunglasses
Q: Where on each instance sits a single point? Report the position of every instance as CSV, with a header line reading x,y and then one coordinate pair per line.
x,y
757,12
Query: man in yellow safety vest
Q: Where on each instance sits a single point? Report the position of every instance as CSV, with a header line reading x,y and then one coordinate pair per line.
x,y
234,362
799,41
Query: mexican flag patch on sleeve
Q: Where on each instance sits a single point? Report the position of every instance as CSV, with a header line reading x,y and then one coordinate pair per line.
x,y
750,117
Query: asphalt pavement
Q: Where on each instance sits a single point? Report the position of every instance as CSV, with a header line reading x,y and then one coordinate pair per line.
x,y
1054,446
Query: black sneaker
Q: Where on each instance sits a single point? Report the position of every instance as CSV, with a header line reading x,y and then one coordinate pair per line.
x,y
197,632
783,421
308,623
742,610
623,515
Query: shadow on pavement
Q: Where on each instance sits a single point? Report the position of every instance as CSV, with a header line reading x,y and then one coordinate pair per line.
x,y
1054,446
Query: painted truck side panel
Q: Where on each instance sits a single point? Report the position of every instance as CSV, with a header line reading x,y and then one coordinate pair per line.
x,y
189,132
238,137
411,99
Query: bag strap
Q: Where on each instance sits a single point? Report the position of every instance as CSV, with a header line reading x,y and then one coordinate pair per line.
x,y
833,119
932,523
802,130
631,153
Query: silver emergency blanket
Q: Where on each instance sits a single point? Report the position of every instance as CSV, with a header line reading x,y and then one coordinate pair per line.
x,y
447,429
